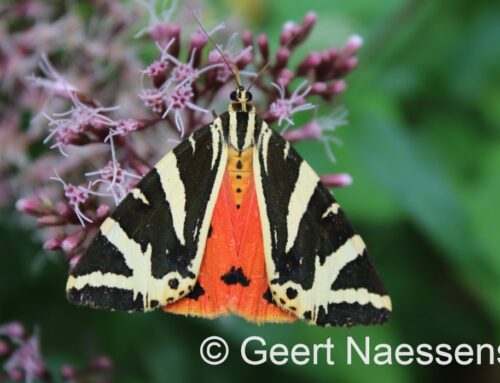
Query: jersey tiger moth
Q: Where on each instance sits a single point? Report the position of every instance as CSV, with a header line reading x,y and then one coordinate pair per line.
x,y
232,220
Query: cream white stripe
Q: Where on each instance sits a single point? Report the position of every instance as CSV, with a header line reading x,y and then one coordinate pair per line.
x,y
135,258
286,150
175,192
333,208
325,274
196,263
265,135
233,137
137,194
215,129
266,228
299,201
361,296
193,143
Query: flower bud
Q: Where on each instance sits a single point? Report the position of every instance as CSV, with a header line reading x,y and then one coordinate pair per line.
x,y
263,44
52,244
103,211
310,131
336,87
285,77
247,38
312,60
13,330
5,349
352,45
31,206
64,210
51,220
336,180
318,88
16,374
163,33
309,20
350,64
74,260
101,363
282,57
71,242
290,30
245,59
68,372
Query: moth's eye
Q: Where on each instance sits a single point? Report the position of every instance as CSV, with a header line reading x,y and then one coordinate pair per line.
x,y
233,95
249,96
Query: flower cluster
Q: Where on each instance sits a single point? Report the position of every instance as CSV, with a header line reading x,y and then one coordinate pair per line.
x,y
108,124
21,360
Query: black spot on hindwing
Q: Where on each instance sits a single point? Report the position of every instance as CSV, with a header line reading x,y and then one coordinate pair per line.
x,y
291,293
196,292
268,297
235,276
173,283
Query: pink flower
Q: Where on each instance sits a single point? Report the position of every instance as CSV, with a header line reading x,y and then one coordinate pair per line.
x,y
156,68
68,126
184,72
154,99
115,180
182,90
125,126
283,108
26,361
22,360
13,330
76,196
177,101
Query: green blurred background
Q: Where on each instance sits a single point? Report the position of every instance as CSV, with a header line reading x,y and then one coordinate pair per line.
x,y
423,148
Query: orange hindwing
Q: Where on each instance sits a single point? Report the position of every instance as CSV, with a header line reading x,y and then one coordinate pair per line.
x,y
233,276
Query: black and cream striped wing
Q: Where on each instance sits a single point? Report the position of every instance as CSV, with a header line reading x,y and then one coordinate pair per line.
x,y
149,251
317,265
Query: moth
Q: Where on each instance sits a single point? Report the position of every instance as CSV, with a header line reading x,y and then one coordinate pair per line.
x,y
232,220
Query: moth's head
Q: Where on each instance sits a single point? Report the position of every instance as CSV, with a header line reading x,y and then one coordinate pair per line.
x,y
241,100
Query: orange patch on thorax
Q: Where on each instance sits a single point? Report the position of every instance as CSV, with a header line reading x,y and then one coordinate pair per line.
x,y
239,167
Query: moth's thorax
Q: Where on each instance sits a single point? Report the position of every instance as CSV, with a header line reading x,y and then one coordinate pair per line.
x,y
241,130
239,167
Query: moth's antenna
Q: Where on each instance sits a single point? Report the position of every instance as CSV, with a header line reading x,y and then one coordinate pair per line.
x,y
269,62
236,76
